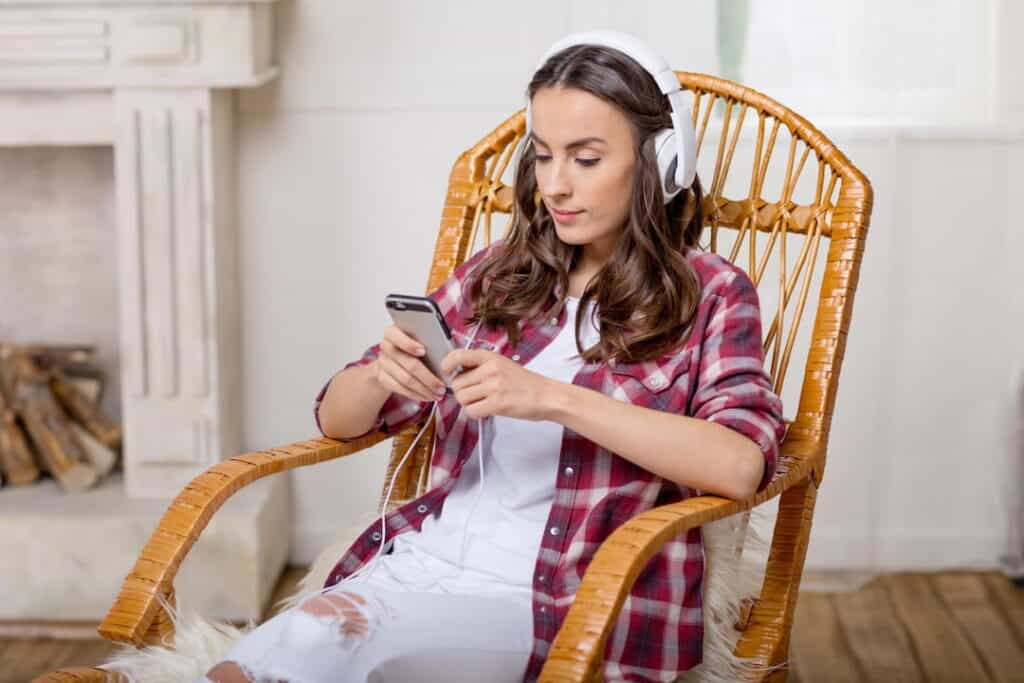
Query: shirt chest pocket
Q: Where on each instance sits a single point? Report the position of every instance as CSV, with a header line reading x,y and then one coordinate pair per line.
x,y
663,384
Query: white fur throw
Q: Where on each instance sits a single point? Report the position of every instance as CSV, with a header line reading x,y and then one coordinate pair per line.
x,y
200,643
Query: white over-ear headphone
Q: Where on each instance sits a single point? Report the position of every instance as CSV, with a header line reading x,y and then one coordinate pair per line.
x,y
676,147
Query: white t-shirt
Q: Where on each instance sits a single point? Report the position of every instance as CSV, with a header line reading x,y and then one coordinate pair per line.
x,y
506,527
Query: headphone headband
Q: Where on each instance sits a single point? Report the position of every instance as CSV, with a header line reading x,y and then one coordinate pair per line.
x,y
664,76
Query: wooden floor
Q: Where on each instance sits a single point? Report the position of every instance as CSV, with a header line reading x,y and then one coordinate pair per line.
x,y
932,628
935,628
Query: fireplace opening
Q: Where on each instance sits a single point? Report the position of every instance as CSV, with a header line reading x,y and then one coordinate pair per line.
x,y
59,311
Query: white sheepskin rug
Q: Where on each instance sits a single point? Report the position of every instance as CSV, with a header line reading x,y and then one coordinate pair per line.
x,y
730,577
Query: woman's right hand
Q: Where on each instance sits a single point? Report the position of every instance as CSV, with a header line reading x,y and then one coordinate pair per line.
x,y
400,370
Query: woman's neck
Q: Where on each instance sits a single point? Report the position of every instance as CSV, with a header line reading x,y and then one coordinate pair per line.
x,y
588,266
578,280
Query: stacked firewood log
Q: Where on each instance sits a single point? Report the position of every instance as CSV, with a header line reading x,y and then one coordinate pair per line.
x,y
50,417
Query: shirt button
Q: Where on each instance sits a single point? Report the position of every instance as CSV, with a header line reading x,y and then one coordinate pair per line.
x,y
569,471
375,535
542,579
554,321
421,509
515,357
658,381
543,608
554,530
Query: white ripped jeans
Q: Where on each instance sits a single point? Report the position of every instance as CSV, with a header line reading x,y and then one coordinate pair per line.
x,y
376,629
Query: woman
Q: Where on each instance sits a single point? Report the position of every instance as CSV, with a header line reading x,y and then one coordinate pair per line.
x,y
613,367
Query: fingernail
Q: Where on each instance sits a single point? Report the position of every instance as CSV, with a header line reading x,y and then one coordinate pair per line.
x,y
420,350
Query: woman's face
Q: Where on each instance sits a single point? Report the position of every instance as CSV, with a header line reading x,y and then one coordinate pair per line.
x,y
585,161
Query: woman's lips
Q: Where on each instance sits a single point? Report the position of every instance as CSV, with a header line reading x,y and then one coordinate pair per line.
x,y
564,216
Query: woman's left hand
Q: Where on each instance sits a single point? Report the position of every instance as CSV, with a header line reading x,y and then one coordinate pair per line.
x,y
491,384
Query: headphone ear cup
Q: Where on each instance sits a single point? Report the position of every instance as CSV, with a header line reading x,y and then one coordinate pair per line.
x,y
665,150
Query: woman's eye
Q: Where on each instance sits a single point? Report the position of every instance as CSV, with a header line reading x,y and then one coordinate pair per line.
x,y
582,162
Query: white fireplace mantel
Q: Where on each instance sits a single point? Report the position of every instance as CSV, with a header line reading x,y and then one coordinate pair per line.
x,y
61,61
155,80
76,44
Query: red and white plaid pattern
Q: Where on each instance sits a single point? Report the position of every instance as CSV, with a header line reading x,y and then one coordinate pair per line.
x,y
717,375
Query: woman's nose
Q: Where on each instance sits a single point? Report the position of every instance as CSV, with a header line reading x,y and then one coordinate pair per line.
x,y
554,180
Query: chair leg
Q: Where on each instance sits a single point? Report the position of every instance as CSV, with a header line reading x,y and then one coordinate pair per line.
x,y
766,637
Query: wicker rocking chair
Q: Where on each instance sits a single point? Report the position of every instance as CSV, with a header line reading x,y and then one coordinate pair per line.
x,y
776,239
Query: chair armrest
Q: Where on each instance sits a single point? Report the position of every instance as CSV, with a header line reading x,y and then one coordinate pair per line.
x,y
138,615
577,651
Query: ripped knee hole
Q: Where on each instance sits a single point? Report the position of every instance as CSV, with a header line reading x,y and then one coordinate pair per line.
x,y
342,605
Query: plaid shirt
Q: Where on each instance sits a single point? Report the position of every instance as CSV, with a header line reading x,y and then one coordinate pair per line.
x,y
717,375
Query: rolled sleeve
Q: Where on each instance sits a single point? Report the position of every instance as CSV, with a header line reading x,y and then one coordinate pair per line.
x,y
396,412
733,388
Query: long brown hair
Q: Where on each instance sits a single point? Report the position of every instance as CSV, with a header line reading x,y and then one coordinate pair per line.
x,y
647,293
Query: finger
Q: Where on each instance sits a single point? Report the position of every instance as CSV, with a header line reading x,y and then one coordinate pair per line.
x,y
450,362
466,358
388,381
425,378
401,340
420,377
467,396
418,369
411,386
409,353
412,364
482,408
465,379
392,385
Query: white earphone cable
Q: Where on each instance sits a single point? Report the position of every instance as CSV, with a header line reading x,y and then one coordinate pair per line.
x,y
368,568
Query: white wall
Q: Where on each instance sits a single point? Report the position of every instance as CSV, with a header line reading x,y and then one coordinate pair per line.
x,y
877,59
343,168
918,471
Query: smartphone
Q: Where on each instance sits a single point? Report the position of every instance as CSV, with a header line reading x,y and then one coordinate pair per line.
x,y
420,318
